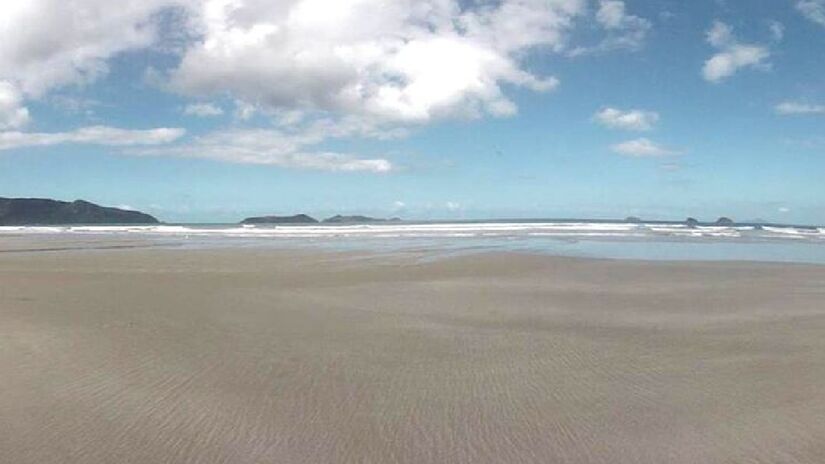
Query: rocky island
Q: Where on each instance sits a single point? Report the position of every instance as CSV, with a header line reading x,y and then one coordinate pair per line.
x,y
693,223
41,211
339,219
295,219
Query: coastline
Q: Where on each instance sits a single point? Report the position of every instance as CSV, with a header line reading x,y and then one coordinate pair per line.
x,y
247,355
365,239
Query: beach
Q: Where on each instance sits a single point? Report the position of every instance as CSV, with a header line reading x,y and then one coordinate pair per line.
x,y
136,354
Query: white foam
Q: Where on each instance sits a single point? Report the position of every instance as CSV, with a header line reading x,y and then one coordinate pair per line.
x,y
31,229
434,230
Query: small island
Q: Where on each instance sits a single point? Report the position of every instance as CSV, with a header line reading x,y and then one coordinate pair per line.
x,y
339,219
307,219
295,219
41,211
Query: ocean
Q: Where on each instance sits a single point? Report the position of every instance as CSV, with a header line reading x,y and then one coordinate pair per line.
x,y
581,238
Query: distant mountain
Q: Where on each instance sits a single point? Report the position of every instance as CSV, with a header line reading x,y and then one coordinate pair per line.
x,y
356,219
296,219
39,211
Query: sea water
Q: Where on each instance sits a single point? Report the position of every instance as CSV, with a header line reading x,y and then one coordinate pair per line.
x,y
597,239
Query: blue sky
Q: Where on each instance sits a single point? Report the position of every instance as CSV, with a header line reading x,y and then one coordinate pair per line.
x,y
213,110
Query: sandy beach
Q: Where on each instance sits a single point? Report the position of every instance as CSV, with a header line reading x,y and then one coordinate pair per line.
x,y
264,356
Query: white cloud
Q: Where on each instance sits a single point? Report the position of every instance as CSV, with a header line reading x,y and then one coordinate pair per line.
x,y
324,70
319,69
290,147
726,63
641,148
790,108
74,105
777,30
203,110
732,55
452,206
624,30
720,35
13,115
403,61
45,44
814,10
637,120
611,14
94,135
244,111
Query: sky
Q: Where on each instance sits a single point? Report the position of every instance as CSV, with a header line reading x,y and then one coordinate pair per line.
x,y
215,110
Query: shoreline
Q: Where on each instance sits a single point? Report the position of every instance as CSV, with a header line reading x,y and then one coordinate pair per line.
x,y
651,251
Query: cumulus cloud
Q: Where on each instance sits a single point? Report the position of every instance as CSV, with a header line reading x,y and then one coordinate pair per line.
x,y
625,30
611,14
94,135
13,115
732,55
726,63
636,120
355,68
622,30
45,44
720,35
404,61
641,148
360,69
203,110
814,10
791,108
49,44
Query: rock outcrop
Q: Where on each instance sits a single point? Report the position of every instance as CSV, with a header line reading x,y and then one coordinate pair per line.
x,y
354,219
296,219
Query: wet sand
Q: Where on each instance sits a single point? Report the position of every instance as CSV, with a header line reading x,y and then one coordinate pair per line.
x,y
263,356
